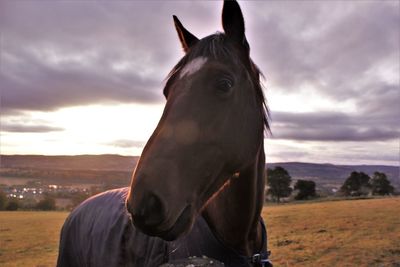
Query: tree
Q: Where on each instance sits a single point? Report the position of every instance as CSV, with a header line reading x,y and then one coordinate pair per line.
x,y
279,183
380,185
48,203
12,205
356,184
77,199
3,200
306,189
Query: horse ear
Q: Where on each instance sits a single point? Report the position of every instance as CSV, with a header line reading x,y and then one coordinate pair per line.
x,y
233,22
187,39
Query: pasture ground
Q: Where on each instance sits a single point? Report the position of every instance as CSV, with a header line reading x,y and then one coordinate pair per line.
x,y
338,233
29,238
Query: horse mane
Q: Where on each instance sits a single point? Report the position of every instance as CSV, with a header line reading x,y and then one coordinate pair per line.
x,y
215,46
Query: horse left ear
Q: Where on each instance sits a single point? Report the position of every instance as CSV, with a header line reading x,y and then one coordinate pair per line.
x,y
187,39
233,22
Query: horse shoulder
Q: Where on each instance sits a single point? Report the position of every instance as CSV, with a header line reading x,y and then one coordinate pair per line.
x,y
92,233
99,233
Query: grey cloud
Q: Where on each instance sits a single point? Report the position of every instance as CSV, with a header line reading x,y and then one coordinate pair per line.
x,y
289,153
350,152
25,123
331,127
23,128
384,156
337,47
124,143
340,134
37,86
381,101
57,54
331,44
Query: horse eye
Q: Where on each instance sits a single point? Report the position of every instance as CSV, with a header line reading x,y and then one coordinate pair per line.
x,y
224,84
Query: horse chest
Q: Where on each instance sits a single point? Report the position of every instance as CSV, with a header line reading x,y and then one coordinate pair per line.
x,y
99,233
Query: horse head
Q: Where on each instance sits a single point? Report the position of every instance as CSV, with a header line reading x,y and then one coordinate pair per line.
x,y
211,128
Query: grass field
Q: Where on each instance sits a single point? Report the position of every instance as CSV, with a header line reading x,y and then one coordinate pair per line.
x,y
29,238
337,233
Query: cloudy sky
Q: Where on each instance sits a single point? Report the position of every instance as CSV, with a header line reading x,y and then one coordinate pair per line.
x,y
86,77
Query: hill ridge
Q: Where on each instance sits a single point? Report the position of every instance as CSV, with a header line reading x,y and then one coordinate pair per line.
x,y
327,175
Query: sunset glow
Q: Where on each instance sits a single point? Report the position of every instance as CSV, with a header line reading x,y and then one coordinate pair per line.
x,y
95,129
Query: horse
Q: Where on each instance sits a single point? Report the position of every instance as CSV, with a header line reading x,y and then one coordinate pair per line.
x,y
198,187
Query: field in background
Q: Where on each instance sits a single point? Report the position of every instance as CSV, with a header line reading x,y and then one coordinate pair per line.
x,y
337,233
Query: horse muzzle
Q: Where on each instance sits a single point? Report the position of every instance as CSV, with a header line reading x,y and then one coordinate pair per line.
x,y
150,216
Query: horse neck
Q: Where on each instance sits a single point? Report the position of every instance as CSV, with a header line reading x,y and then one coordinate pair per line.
x,y
234,214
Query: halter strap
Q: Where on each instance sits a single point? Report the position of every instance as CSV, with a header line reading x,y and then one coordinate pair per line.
x,y
261,259
201,241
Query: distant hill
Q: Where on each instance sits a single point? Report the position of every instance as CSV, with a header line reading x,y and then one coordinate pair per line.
x,y
113,170
105,168
81,162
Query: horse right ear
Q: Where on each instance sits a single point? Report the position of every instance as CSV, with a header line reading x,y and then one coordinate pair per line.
x,y
233,23
187,39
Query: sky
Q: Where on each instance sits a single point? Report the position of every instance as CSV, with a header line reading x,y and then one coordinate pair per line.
x,y
86,77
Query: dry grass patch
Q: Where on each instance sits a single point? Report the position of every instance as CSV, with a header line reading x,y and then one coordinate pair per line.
x,y
30,238
339,233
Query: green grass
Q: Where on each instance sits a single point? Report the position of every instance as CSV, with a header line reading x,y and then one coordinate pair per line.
x,y
339,233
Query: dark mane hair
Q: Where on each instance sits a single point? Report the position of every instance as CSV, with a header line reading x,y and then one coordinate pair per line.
x,y
216,47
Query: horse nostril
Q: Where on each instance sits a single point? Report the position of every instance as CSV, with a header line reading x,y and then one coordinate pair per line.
x,y
149,212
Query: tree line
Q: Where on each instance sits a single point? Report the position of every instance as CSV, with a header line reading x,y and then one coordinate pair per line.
x,y
11,204
47,202
357,184
279,184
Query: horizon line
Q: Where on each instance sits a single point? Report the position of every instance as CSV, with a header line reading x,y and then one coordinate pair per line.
x,y
138,156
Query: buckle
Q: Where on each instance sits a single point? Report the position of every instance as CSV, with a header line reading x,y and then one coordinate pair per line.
x,y
259,260
256,258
